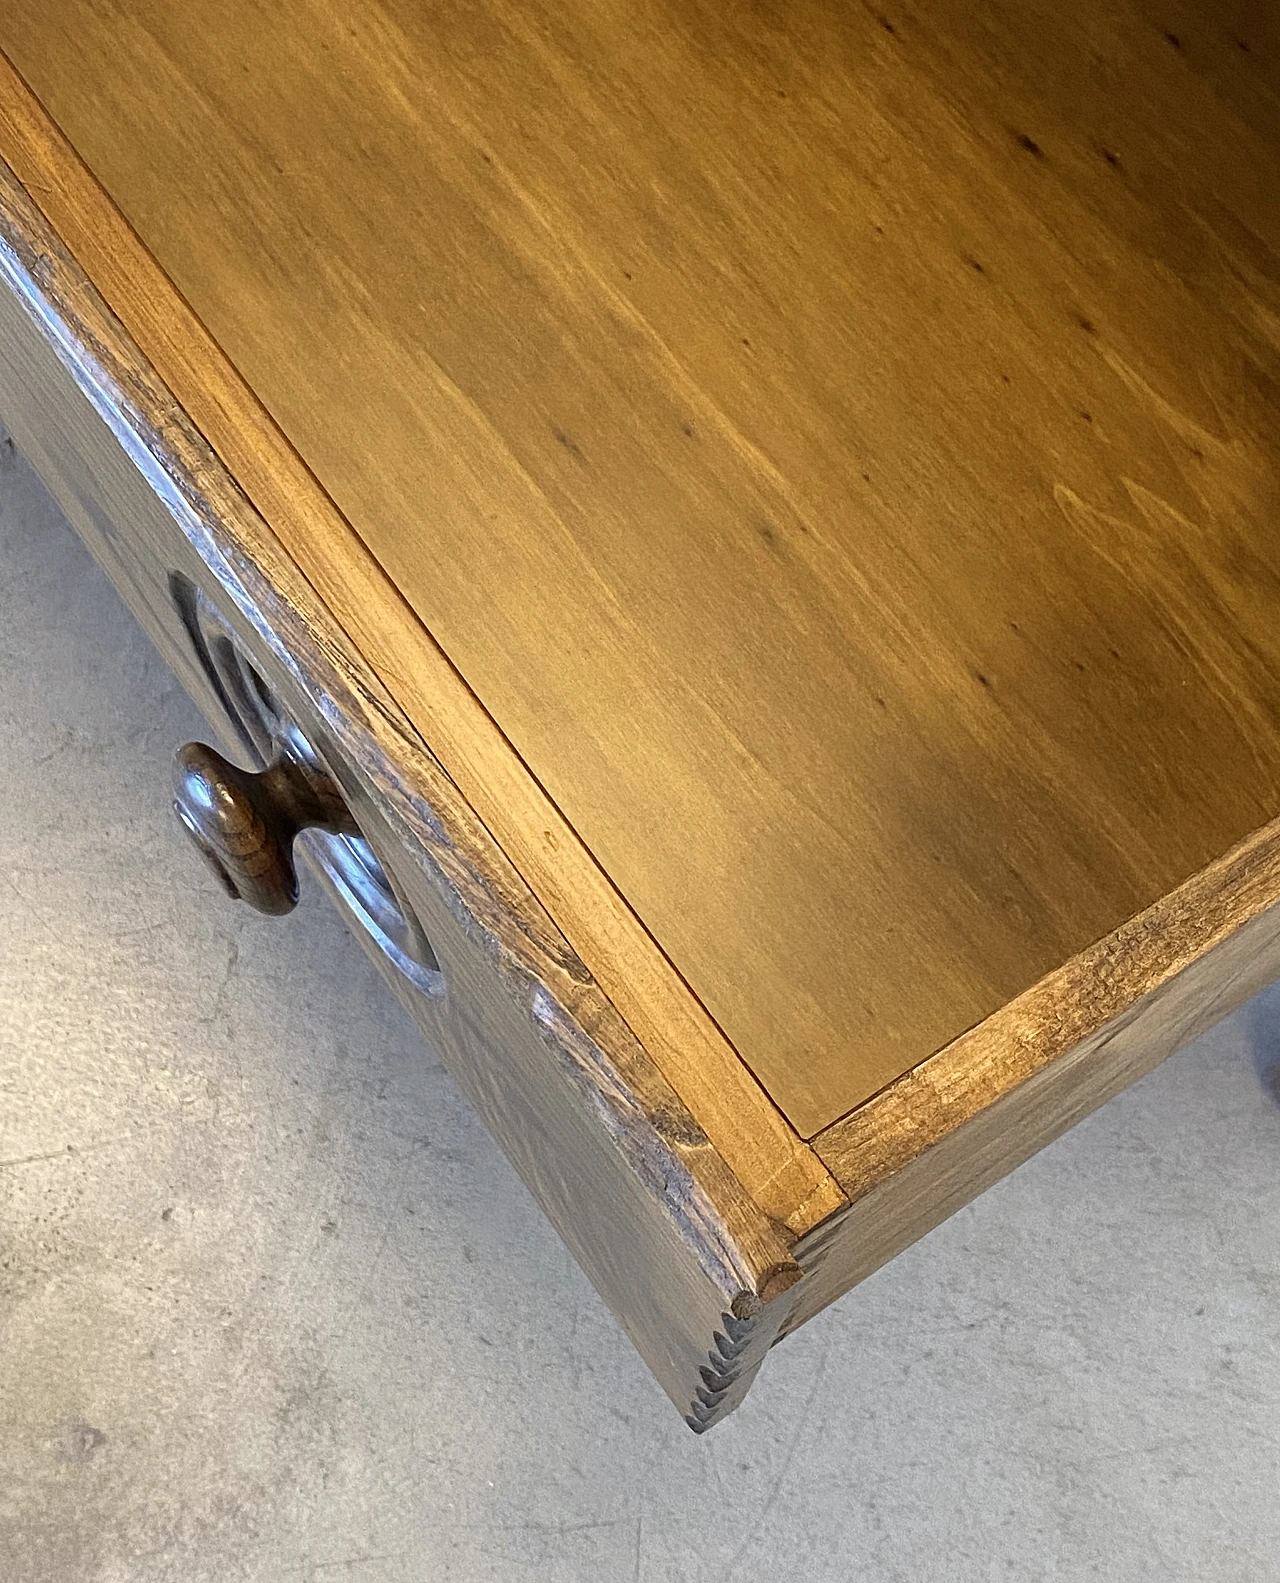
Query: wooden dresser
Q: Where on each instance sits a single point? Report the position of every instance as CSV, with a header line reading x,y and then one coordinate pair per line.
x,y
742,540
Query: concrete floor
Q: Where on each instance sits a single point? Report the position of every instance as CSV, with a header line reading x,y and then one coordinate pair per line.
x,y
274,1307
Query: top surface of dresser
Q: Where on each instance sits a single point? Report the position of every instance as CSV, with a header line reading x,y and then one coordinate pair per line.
x,y
836,446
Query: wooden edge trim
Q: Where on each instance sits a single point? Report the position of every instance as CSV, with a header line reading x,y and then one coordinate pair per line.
x,y
772,1162
740,1250
1083,1003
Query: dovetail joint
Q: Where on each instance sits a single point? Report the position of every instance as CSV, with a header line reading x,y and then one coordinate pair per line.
x,y
720,1372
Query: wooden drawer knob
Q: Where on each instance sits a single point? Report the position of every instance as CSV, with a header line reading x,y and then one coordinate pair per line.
x,y
244,823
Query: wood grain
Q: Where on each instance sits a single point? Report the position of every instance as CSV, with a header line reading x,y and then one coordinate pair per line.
x,y
837,444
678,1249
786,1178
946,1131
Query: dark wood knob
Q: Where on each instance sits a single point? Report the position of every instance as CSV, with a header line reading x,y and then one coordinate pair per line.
x,y
244,823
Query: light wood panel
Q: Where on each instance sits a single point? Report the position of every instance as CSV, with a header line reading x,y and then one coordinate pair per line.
x,y
784,1177
837,445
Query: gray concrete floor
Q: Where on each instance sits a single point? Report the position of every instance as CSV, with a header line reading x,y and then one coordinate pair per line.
x,y
275,1307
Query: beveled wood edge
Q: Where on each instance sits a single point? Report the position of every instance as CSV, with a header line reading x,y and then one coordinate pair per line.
x,y
364,610
1079,1004
744,1254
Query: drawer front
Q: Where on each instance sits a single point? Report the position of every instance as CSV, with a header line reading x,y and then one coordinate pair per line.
x,y
699,1279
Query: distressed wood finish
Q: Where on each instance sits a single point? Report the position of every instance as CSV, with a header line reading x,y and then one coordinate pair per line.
x,y
787,1179
836,443
683,1255
800,569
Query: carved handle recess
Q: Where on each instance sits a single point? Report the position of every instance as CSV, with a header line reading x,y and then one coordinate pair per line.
x,y
244,824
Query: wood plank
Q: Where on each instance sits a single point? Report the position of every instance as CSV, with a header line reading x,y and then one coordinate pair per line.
x,y
837,444
946,1131
785,1178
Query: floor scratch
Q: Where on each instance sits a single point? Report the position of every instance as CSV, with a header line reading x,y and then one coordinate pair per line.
x,y
69,1151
